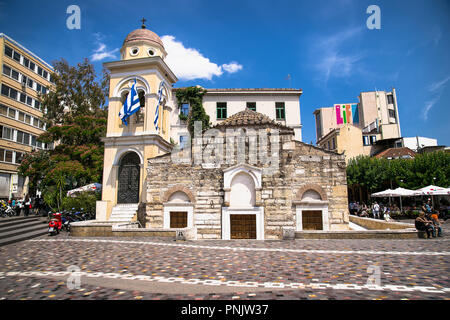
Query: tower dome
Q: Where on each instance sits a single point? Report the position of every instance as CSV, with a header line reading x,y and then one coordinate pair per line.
x,y
143,34
142,43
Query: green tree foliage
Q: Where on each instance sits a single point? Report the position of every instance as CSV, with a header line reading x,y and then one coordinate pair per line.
x,y
84,201
194,96
378,174
76,118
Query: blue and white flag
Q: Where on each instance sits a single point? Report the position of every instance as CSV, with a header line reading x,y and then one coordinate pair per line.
x,y
160,97
131,104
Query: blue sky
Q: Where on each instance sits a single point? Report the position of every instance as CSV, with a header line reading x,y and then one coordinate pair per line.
x,y
324,45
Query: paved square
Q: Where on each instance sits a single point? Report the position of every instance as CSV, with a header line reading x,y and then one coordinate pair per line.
x,y
144,268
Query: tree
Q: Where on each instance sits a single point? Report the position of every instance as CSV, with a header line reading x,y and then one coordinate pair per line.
x,y
76,117
375,174
193,96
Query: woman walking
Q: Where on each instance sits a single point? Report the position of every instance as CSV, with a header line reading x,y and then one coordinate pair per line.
x,y
27,206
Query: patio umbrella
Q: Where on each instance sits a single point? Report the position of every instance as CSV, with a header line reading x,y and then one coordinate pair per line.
x,y
90,187
433,191
399,192
385,193
402,192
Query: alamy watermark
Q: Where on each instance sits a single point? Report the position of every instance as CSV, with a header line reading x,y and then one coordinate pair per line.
x,y
375,277
74,279
214,147
74,20
374,20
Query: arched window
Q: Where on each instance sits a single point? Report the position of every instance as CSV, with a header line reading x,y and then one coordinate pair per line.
x,y
242,191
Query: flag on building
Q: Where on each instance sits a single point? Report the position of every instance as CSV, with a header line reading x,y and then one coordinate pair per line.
x,y
131,104
160,98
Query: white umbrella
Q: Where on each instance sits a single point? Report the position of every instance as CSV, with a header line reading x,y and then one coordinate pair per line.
x,y
399,192
385,193
90,187
433,191
402,192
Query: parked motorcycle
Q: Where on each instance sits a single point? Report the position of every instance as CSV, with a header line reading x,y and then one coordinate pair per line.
x,y
55,224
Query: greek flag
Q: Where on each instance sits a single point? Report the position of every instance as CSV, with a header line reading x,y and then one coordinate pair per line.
x,y
131,104
160,97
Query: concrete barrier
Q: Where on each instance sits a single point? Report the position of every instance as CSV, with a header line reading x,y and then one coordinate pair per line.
x,y
108,229
375,224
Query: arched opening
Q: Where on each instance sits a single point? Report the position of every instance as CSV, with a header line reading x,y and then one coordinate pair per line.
x,y
311,195
138,116
312,209
179,197
129,179
242,191
178,210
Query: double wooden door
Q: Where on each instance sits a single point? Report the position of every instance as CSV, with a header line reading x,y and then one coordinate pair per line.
x,y
312,220
243,226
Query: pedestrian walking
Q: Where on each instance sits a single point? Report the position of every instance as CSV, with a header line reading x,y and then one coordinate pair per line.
x,y
27,206
376,210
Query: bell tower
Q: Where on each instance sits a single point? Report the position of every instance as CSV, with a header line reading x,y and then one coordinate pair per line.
x,y
146,132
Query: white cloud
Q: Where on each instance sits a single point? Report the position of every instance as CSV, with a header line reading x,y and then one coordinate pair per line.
x,y
102,52
232,67
438,86
435,88
189,63
330,57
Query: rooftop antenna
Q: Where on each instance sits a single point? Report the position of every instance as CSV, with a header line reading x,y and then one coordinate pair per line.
x,y
290,80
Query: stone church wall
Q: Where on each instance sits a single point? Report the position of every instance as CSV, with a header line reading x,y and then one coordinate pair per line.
x,y
301,167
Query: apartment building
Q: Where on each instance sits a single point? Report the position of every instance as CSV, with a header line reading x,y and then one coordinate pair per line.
x,y
366,127
23,79
280,105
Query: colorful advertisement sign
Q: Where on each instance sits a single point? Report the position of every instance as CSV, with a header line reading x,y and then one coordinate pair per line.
x,y
346,113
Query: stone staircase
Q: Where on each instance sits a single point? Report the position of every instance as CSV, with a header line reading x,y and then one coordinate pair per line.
x,y
124,212
17,229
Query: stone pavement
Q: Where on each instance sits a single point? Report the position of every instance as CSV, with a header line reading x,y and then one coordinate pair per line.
x,y
143,268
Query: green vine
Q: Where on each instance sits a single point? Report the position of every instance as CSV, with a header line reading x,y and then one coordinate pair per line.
x,y
193,96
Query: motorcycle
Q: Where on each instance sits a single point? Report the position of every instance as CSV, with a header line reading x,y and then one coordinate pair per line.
x,y
55,224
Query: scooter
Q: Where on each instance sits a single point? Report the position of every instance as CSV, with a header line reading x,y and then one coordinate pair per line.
x,y
55,224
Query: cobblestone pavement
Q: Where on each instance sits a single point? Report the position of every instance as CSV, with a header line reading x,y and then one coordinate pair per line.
x,y
143,268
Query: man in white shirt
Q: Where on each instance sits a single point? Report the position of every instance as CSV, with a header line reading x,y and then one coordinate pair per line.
x,y
376,211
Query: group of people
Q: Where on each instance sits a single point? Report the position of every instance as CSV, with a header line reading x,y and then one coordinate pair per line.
x,y
379,211
26,205
428,221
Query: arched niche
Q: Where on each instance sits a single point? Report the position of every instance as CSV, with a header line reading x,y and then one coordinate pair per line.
x,y
242,193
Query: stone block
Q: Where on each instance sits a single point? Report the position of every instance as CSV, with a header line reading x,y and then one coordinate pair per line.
x,y
288,233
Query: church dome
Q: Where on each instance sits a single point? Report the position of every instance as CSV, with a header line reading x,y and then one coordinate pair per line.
x,y
143,34
142,43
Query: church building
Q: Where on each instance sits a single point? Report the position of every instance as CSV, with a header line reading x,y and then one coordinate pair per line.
x,y
250,176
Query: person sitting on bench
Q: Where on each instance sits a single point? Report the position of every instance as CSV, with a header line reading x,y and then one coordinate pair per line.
x,y
422,224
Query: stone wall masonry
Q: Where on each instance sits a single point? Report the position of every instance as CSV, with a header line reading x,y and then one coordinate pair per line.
x,y
301,165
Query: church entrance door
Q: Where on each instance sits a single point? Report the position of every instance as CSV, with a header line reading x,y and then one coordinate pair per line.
x,y
129,179
312,220
243,226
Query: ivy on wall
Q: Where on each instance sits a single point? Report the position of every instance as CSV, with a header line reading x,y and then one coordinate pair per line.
x,y
194,97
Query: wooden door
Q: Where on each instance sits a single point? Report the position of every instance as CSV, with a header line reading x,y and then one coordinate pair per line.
x,y
312,220
243,226
178,219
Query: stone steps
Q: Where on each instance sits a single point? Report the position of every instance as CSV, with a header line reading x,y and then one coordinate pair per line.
x,y
123,212
21,228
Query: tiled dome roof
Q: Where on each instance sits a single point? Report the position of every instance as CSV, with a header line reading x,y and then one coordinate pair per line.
x,y
248,117
143,34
